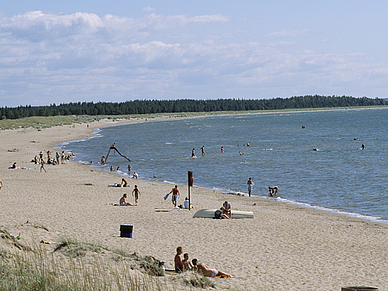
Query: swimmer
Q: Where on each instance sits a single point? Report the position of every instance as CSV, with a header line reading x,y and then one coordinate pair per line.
x,y
273,191
203,150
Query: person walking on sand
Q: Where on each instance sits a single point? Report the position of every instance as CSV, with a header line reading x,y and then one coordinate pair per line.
x,y
1,185
42,166
136,193
175,195
206,271
250,185
178,260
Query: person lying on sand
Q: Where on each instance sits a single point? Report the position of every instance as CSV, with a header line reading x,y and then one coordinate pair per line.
x,y
14,166
123,201
207,272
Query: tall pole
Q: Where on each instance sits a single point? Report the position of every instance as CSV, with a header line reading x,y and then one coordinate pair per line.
x,y
190,181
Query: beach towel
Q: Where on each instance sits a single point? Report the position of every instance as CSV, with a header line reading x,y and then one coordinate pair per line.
x,y
165,197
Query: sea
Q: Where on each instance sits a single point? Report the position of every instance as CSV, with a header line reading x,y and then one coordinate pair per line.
x,y
334,160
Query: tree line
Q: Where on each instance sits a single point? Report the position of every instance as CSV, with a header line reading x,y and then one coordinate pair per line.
x,y
186,105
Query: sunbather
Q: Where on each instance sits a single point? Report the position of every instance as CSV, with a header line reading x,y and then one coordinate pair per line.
x,y
123,201
207,272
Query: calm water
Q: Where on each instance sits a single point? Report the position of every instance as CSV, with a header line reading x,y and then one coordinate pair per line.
x,y
339,177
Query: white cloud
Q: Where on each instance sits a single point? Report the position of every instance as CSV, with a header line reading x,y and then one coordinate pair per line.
x,y
148,9
46,58
285,33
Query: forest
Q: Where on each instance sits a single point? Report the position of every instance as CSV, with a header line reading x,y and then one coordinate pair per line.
x,y
187,105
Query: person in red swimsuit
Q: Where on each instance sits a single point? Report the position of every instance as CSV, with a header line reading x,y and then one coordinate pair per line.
x,y
175,195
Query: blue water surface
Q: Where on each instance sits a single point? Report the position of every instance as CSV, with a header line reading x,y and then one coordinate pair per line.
x,y
340,177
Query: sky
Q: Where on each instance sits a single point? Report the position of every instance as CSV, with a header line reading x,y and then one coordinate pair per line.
x,y
116,51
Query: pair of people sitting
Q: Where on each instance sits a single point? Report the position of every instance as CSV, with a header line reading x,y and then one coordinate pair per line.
x,y
225,212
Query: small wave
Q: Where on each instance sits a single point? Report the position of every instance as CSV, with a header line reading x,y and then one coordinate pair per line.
x,y
337,211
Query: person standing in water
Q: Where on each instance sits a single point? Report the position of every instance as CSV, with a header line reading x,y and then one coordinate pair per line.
x,y
203,150
250,185
193,153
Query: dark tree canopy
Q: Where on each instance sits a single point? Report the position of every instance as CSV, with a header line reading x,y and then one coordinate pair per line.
x,y
186,105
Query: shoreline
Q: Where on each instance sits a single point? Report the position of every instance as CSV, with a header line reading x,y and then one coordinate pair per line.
x,y
368,217
285,247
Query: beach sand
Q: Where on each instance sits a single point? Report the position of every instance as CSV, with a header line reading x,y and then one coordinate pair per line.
x,y
285,247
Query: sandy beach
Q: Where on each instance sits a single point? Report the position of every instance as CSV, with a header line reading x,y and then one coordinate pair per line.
x,y
285,247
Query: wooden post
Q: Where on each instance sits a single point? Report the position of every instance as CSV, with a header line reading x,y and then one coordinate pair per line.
x,y
190,183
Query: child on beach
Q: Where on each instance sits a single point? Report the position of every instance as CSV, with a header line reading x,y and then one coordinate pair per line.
x,y
186,263
136,193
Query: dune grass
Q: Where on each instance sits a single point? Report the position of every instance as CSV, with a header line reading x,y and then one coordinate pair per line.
x,y
71,265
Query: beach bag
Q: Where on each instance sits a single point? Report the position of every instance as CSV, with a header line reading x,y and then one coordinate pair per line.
x,y
217,214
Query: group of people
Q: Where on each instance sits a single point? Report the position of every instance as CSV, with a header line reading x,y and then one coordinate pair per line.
x,y
135,175
174,198
273,190
182,265
58,159
135,193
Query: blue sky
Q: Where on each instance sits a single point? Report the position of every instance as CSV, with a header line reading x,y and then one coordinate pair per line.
x,y
114,51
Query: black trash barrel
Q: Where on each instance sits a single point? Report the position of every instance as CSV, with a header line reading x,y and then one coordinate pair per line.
x,y
126,230
360,288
